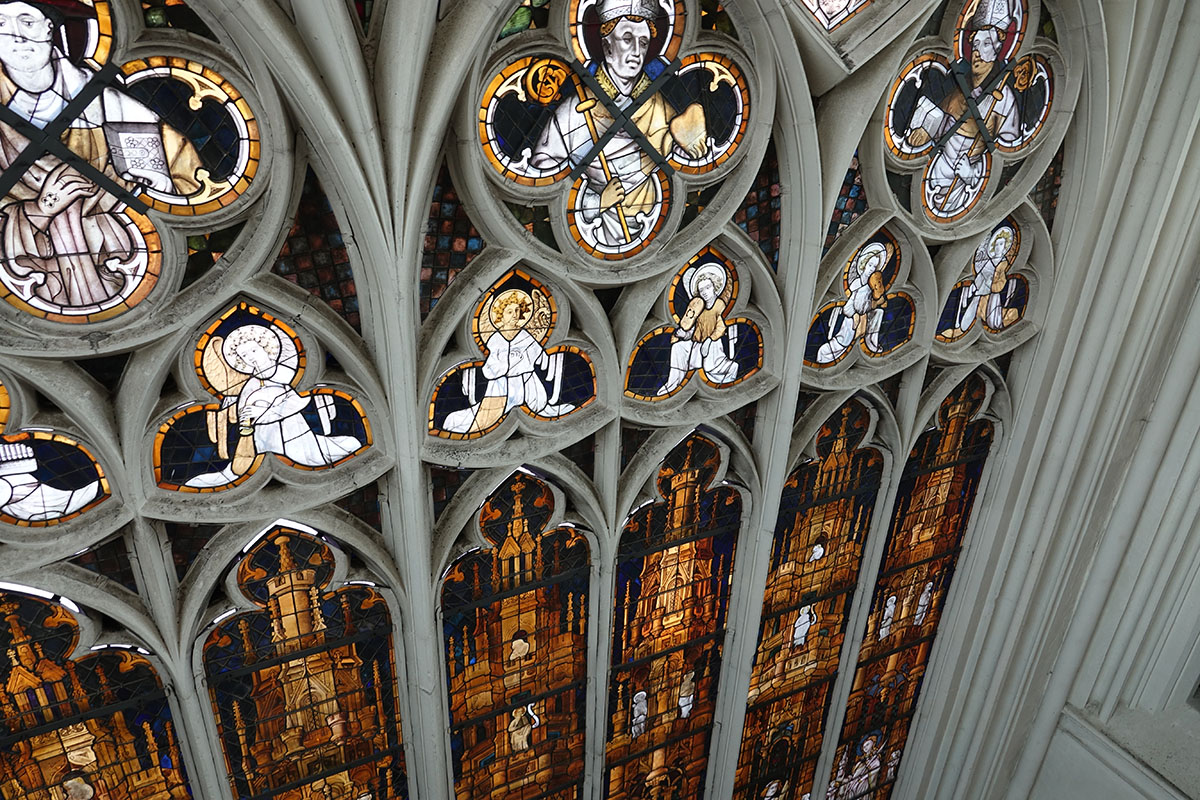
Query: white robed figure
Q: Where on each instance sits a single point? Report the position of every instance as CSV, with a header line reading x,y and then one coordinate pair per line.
x,y
984,297
702,339
517,367
620,199
254,368
25,497
862,313
956,173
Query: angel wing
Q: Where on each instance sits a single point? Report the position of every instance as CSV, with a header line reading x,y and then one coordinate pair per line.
x,y
539,322
224,379
483,319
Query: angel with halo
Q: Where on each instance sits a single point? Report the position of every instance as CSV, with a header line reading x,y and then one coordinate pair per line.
x,y
985,297
254,368
702,340
518,370
861,316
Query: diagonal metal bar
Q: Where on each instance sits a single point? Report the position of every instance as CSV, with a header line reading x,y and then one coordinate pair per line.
x,y
623,118
988,88
46,140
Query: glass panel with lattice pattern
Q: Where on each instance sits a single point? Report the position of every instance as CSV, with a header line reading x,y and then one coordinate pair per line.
x,y
672,595
304,689
824,518
90,724
514,620
933,507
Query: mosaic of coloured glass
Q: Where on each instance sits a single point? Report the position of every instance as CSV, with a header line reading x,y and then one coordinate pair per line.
x,y
110,559
363,503
174,14
991,295
304,690
849,206
878,320
704,339
1045,193
761,212
187,541
511,325
514,620
88,146
444,483
314,256
932,511
674,565
612,126
205,249
45,477
832,13
96,725
824,518
451,242
252,362
931,124
529,15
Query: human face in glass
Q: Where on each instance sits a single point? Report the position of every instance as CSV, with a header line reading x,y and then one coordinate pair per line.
x,y
625,48
25,36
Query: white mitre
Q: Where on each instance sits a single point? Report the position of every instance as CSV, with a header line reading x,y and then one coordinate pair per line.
x,y
615,9
991,14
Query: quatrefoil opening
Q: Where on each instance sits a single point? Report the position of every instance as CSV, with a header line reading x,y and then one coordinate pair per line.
x,y
621,128
87,147
950,119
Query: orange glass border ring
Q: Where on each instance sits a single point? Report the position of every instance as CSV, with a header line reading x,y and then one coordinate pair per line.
x,y
267,317
144,287
573,226
896,84
672,44
234,103
515,272
942,219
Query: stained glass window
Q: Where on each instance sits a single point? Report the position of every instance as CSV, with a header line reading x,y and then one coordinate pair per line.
x,y
931,129
314,255
80,723
512,324
451,242
703,339
616,128
674,565
931,514
868,313
46,478
833,13
91,145
304,688
514,617
824,518
252,362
